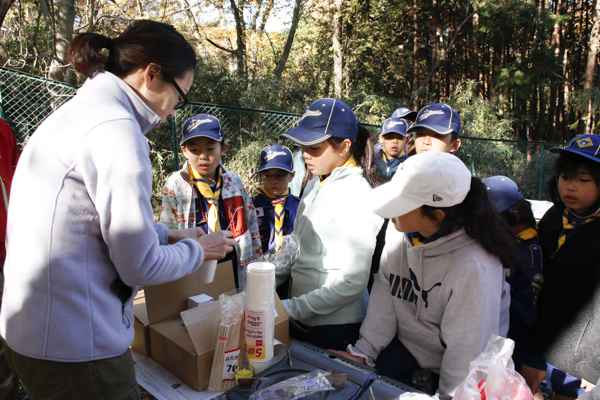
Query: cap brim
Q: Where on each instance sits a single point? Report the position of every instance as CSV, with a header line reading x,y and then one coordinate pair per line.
x,y
442,130
400,133
185,139
560,151
304,137
410,115
275,166
388,203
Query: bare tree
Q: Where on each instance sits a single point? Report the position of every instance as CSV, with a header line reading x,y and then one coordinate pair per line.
x,y
591,61
65,17
338,60
290,39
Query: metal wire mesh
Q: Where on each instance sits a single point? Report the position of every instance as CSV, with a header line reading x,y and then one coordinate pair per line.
x,y
26,100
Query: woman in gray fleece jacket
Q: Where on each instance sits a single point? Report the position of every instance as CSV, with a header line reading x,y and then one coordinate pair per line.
x,y
81,232
440,289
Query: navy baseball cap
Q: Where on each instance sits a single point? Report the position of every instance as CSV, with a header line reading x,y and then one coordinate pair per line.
x,y
324,119
502,191
276,156
439,117
586,145
397,125
405,113
202,125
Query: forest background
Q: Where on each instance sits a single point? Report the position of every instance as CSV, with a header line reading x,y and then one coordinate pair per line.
x,y
513,69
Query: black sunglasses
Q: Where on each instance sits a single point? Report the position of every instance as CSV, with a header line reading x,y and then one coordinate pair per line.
x,y
184,100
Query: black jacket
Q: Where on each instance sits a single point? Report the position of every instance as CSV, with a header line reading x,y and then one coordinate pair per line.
x,y
567,330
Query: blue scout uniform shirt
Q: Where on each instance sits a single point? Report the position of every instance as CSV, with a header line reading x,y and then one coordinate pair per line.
x,y
525,281
265,213
202,208
386,169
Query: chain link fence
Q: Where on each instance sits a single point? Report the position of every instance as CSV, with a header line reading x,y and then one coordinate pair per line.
x,y
26,100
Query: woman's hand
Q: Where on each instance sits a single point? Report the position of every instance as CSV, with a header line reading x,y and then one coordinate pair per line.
x,y
216,245
349,356
175,235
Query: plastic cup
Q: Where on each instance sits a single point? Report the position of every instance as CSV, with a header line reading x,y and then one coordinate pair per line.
x,y
244,371
206,272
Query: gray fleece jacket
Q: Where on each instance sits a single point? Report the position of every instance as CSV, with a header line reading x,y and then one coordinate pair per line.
x,y
81,235
443,300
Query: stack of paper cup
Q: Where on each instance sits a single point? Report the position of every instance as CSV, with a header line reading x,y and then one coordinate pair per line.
x,y
260,318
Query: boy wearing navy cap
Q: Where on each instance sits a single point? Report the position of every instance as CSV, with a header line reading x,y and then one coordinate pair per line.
x,y
205,194
389,153
275,205
437,128
526,278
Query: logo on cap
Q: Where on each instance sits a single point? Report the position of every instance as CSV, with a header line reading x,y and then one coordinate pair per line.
x,y
391,124
311,113
272,154
585,142
429,113
197,122
437,198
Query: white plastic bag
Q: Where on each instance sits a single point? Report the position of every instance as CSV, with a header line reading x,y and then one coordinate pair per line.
x,y
492,375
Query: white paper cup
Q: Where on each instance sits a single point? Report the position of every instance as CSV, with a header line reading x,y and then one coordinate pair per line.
x,y
206,272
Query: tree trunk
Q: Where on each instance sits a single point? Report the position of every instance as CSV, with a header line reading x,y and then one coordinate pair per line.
x,y
435,53
475,51
4,6
338,61
591,61
415,8
240,30
65,16
290,40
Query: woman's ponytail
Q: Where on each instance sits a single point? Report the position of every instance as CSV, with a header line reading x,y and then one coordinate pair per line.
x,y
85,53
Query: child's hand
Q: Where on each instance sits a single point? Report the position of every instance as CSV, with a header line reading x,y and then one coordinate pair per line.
x,y
216,245
349,356
587,385
175,235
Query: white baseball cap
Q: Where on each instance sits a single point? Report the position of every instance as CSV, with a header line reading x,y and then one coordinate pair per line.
x,y
433,178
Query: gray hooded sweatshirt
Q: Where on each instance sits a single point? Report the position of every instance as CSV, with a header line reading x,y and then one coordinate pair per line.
x,y
443,300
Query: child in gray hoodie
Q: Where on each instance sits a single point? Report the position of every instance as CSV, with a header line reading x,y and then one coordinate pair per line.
x,y
440,291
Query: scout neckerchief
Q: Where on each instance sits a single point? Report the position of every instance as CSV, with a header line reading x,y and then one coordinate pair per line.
x,y
571,222
278,203
388,160
527,234
212,197
351,163
418,240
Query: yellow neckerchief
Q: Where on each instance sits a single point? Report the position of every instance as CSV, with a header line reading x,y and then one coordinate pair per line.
x,y
527,234
278,204
570,221
385,156
211,197
350,163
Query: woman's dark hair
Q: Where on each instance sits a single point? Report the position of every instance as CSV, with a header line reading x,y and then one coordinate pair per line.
x,y
362,150
142,43
568,165
523,208
481,221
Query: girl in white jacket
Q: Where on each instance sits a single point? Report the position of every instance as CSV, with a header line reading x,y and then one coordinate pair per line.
x,y
440,291
337,230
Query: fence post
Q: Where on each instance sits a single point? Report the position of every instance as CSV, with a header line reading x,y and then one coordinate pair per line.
x,y
175,146
541,173
472,157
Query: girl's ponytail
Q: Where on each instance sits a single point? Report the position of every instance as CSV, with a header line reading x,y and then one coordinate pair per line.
x,y
481,221
362,150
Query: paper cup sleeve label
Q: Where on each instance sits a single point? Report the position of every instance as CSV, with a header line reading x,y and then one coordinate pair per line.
x,y
255,334
230,364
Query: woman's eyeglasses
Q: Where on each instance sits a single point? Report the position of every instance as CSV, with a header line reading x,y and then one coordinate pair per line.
x,y
183,101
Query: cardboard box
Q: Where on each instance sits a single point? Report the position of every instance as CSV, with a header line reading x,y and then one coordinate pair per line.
x,y
199,300
141,340
182,340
